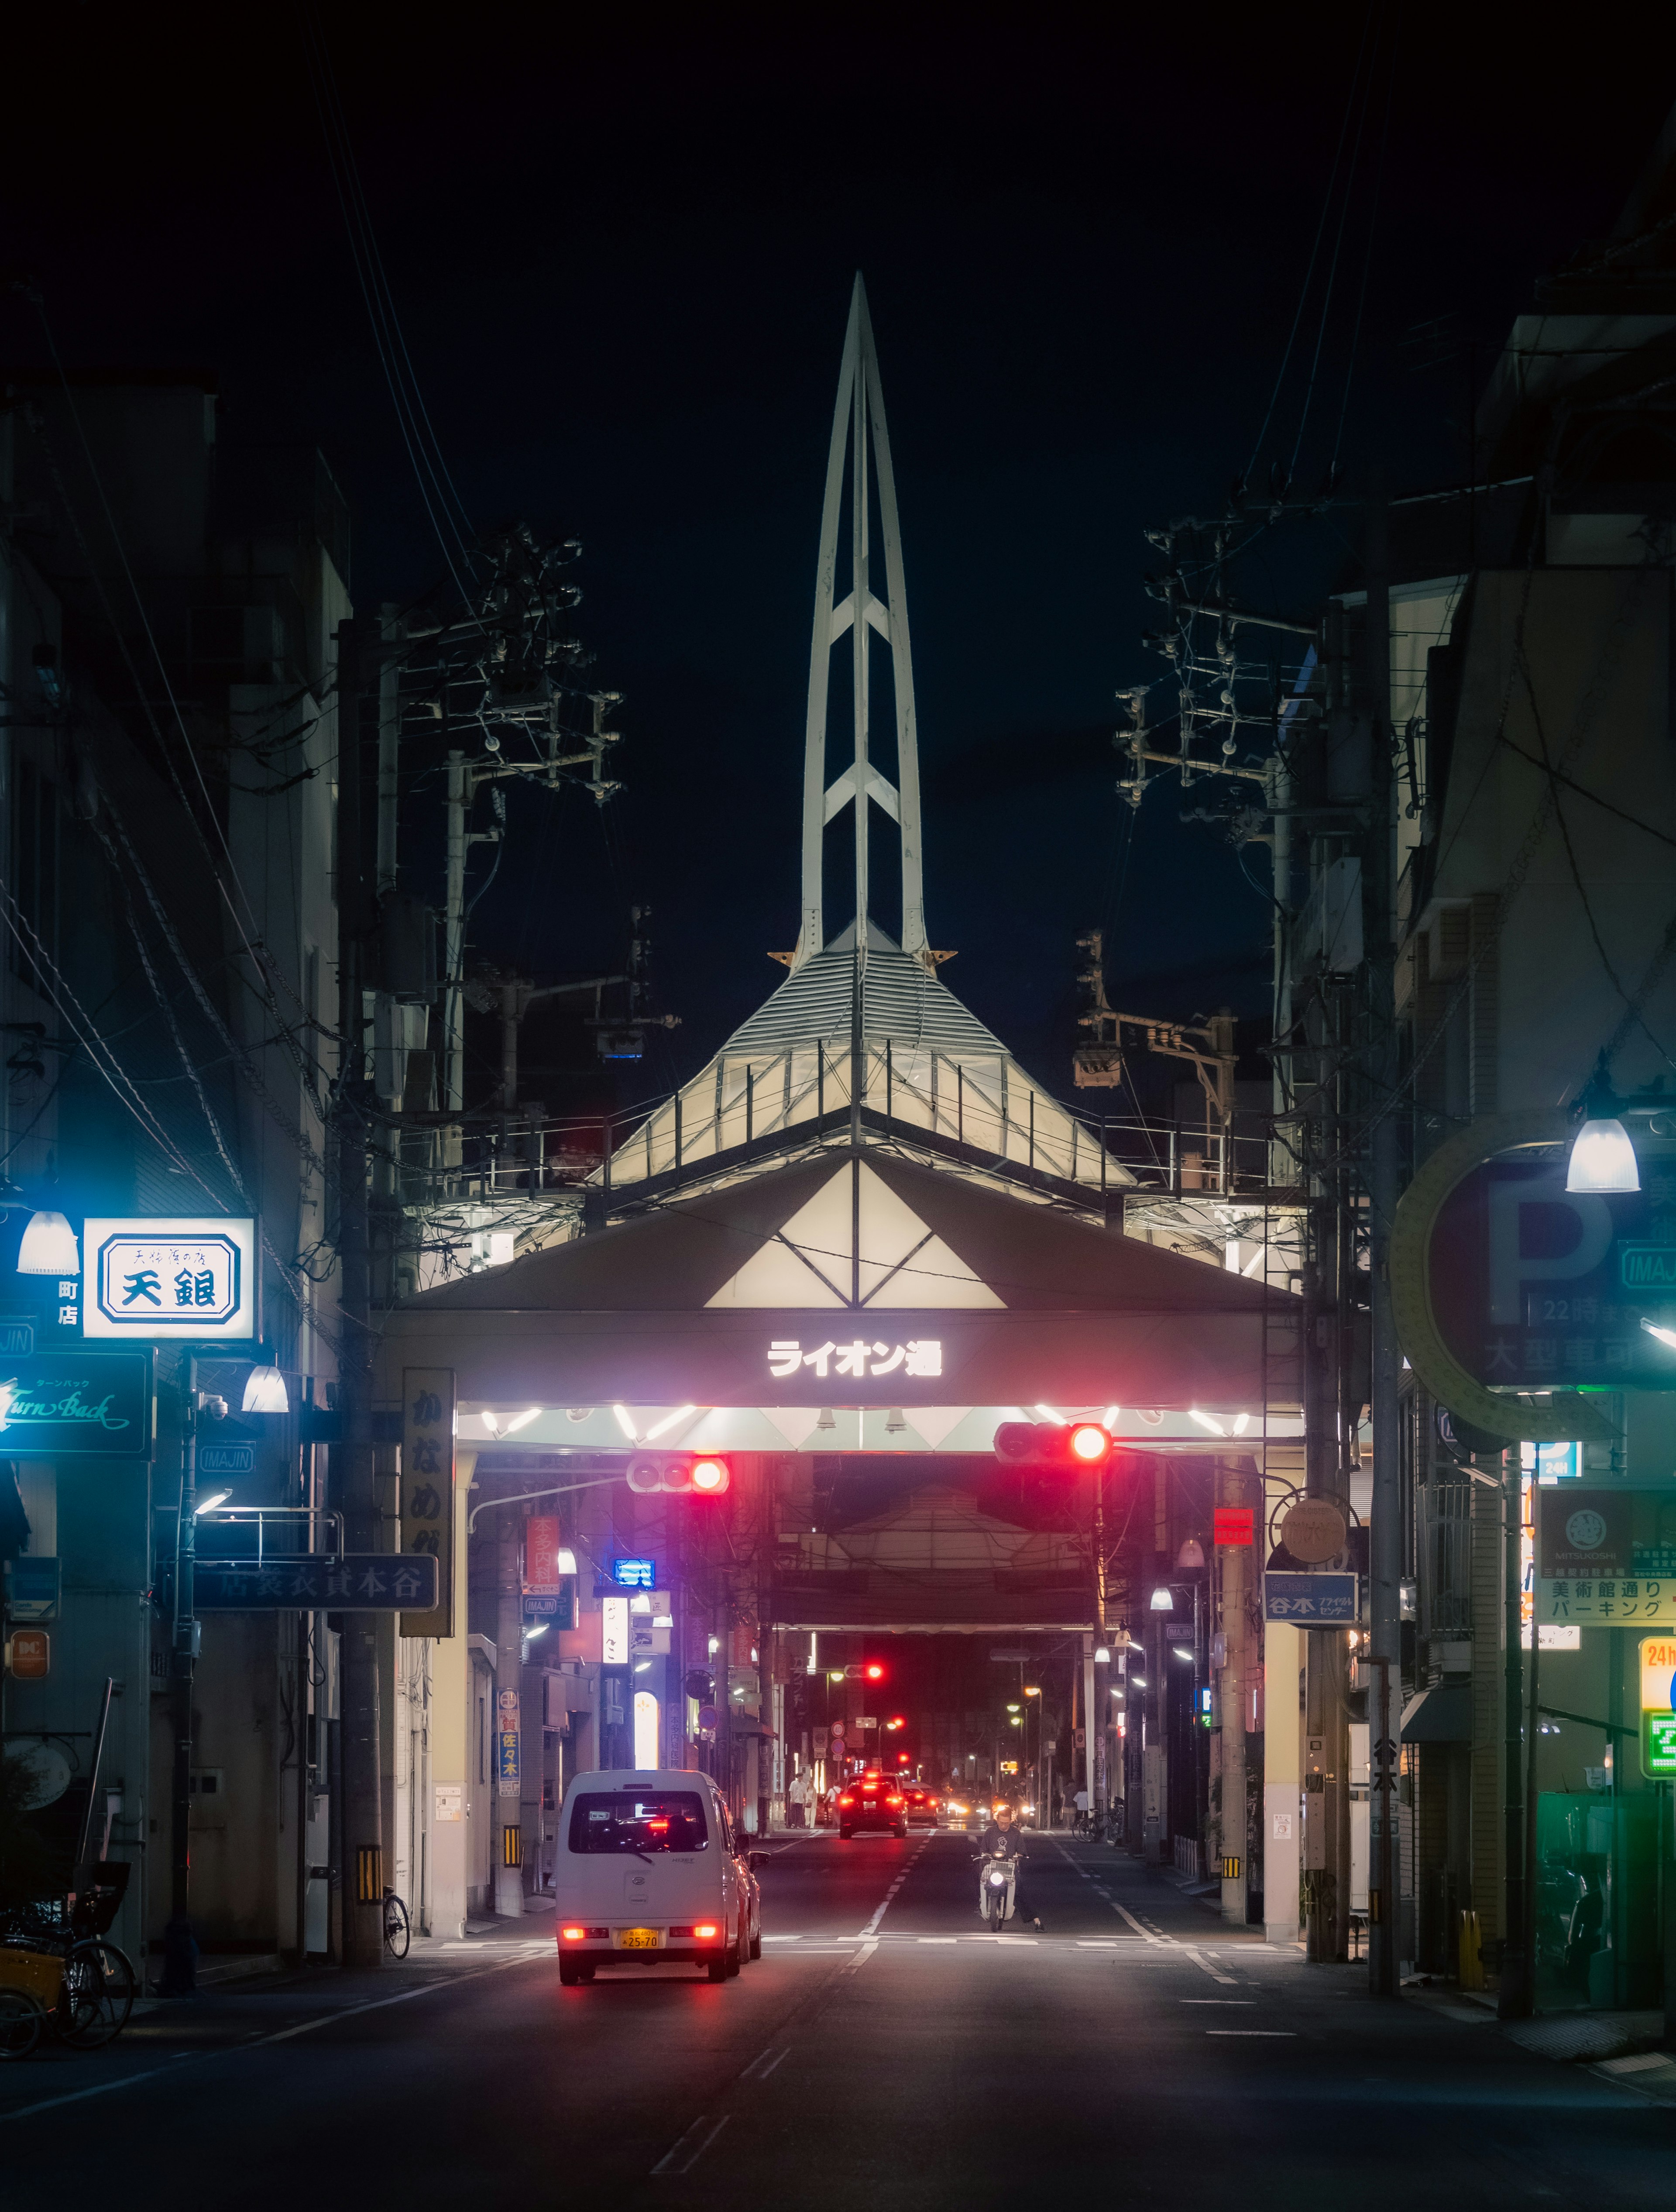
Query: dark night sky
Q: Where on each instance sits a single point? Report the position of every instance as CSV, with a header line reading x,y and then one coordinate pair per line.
x,y
622,254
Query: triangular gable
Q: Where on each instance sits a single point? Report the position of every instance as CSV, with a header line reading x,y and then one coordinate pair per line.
x,y
811,1262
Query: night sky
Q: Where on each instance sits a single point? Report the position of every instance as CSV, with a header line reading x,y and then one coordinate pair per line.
x,y
622,249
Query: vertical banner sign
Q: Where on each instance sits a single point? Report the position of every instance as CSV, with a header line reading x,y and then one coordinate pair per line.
x,y
542,1577
614,1647
507,1768
428,1487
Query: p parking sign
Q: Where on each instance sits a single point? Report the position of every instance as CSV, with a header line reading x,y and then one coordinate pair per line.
x,y
1658,1706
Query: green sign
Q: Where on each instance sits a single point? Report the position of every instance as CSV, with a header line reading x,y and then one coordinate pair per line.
x,y
1646,1266
1658,1744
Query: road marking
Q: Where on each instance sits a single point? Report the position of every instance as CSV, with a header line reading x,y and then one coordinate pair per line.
x,y
1287,2031
1098,1943
1216,2001
693,2144
1205,1965
860,1957
762,2065
230,2049
936,1939
872,1929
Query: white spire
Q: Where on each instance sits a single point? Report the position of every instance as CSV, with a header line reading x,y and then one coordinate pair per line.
x,y
858,424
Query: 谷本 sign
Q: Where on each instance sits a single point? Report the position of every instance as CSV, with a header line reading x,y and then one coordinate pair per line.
x,y
182,1278
1311,1601
350,1582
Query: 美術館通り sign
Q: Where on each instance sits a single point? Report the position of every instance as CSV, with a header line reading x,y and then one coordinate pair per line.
x,y
188,1279
83,1405
1534,1287
1606,1558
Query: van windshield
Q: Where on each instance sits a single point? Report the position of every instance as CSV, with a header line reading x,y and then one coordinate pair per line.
x,y
633,1820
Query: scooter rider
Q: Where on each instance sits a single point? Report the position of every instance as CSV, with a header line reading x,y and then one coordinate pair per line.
x,y
1001,1840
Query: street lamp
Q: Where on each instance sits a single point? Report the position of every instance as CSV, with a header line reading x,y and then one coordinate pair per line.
x,y
1603,1160
49,1247
266,1392
1161,1601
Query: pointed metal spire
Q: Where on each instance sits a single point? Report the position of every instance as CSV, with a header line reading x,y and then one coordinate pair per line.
x,y
858,425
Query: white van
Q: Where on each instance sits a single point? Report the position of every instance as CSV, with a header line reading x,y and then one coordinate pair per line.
x,y
649,1869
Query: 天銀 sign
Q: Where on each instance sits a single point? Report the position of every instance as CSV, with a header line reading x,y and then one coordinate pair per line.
x,y
186,1279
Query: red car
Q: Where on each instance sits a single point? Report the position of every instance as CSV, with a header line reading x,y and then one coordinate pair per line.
x,y
872,1802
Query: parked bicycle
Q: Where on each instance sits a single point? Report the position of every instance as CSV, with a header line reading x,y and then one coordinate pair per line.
x,y
398,1930
61,1974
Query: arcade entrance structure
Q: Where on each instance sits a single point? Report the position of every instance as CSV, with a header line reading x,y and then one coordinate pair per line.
x,y
837,1259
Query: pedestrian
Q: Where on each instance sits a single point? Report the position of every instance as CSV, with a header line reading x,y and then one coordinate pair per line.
x,y
1080,1824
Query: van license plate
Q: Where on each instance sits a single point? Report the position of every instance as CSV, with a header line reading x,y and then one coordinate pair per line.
x,y
638,1939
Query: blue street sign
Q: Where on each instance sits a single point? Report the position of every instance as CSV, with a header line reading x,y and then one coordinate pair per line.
x,y
634,1574
32,1587
358,1582
226,1459
1312,1601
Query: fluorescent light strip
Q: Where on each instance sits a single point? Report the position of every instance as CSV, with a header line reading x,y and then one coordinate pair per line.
x,y
522,1420
626,1425
668,1422
1206,1421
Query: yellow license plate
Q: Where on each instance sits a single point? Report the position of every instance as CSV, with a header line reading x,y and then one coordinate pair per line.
x,y
638,1939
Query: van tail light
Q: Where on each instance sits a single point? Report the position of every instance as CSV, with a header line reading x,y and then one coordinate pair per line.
x,y
707,1931
572,1935
847,1800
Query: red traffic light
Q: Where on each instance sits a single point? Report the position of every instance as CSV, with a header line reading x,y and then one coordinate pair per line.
x,y
875,1672
652,1471
1067,1445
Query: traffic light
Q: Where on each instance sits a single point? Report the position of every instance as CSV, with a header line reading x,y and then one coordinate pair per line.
x,y
1070,1445
701,1473
873,1671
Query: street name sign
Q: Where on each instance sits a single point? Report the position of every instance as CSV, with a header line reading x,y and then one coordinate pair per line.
x,y
352,1581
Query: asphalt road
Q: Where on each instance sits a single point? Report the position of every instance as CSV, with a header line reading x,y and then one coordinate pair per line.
x,y
884,2052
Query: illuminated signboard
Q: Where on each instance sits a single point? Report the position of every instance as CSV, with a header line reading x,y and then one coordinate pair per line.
x,y
634,1574
182,1278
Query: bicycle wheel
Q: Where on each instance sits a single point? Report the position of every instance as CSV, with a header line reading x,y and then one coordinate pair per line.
x,y
398,1933
19,2024
98,1994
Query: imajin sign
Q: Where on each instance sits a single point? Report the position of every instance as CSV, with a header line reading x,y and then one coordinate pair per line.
x,y
185,1278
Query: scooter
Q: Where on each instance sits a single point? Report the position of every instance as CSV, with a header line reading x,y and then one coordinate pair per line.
x,y
996,1886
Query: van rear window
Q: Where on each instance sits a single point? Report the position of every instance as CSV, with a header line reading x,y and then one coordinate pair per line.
x,y
638,1820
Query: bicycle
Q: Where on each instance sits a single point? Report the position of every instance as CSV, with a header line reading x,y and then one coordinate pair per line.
x,y
82,1990
398,1929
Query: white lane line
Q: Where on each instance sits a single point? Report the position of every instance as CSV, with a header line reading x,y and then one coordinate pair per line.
x,y
682,2156
1158,1942
764,2063
1204,1967
860,1957
324,2020
1216,2001
1099,1943
884,1903
936,1939
1289,2032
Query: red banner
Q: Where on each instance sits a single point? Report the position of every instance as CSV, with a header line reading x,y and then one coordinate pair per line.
x,y
542,1577
1232,1524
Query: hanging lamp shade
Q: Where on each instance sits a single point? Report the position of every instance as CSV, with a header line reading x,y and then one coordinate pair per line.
x,y
1190,1556
1603,1160
266,1392
49,1247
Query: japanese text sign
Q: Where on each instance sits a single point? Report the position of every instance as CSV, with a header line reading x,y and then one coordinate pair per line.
x,y
1658,1706
184,1278
1536,1286
862,1360
1586,1532
353,1582
541,1576
427,1489
1232,1524
614,1647
1313,1601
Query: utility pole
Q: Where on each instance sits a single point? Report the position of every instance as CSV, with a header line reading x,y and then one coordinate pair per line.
x,y
1513,2001
1098,1696
1230,1703
453,945
1384,1177
361,1825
